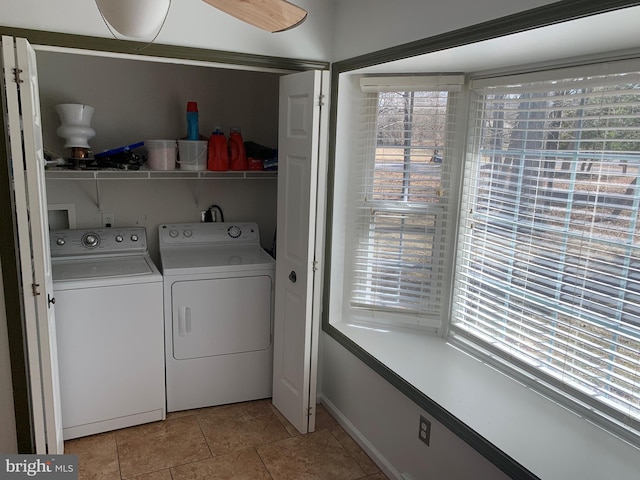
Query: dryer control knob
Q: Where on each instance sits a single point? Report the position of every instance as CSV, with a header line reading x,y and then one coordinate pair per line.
x,y
174,233
187,233
234,231
90,240
134,238
60,241
119,238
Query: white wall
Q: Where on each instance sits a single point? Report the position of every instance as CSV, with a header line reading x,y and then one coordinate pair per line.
x,y
364,26
190,23
385,417
386,420
8,442
149,203
334,29
389,422
379,414
141,100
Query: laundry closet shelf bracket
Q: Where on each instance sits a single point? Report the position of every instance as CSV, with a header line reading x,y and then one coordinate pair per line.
x,y
97,182
198,191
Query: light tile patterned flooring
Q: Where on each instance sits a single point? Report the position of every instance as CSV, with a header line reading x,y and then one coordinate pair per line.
x,y
244,441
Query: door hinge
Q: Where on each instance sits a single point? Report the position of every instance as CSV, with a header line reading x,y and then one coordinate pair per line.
x,y
315,266
309,410
16,75
34,289
321,100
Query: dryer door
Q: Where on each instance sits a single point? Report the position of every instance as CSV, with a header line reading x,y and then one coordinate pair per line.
x,y
221,316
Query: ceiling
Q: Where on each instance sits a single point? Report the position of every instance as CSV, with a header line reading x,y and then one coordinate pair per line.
x,y
615,31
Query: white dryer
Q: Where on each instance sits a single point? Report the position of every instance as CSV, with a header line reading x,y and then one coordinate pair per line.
x,y
109,328
218,309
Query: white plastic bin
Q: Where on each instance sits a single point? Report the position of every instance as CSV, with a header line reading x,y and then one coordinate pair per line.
x,y
192,154
161,154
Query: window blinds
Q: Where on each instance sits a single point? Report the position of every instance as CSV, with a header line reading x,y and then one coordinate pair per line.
x,y
548,264
402,191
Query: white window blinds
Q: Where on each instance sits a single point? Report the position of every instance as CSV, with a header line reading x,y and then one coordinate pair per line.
x,y
548,264
402,197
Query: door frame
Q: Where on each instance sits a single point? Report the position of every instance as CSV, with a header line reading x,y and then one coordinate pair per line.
x,y
9,255
11,281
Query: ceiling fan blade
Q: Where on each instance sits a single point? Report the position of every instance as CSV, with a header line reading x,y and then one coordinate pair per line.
x,y
270,15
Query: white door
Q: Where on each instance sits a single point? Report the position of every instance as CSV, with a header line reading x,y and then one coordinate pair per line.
x,y
27,160
301,177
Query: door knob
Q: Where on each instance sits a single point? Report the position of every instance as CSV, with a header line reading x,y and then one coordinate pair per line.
x,y
293,277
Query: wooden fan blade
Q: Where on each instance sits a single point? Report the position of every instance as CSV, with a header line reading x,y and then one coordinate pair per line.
x,y
269,15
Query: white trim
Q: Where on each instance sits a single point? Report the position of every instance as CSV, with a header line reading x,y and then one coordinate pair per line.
x,y
604,68
451,83
373,453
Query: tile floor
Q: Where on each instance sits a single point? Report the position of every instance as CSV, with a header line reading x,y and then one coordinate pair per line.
x,y
244,441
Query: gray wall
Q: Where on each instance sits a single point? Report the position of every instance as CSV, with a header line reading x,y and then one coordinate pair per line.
x,y
138,100
149,203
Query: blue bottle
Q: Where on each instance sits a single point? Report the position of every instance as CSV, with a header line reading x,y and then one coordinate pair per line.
x,y
193,130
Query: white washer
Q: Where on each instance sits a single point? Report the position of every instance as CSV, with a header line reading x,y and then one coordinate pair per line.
x,y
109,328
218,295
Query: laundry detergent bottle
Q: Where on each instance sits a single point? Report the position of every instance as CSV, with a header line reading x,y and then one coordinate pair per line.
x,y
237,153
193,130
218,152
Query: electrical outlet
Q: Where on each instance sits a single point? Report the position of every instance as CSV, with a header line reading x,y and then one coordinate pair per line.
x,y
425,430
108,220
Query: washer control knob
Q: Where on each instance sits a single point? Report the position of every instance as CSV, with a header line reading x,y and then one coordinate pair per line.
x,y
234,231
187,233
90,240
134,237
119,238
60,241
173,233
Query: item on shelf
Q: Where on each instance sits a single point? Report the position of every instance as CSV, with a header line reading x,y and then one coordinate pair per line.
x,y
193,129
267,156
192,154
161,154
254,164
218,153
53,160
124,160
237,153
117,150
76,129
271,165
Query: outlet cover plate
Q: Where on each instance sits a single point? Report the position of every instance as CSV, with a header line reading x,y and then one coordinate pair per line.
x,y
108,220
424,434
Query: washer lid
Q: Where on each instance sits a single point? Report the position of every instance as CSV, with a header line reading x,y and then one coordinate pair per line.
x,y
99,267
218,258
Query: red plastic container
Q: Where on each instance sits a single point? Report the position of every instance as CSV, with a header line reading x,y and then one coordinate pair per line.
x,y
218,152
237,153
254,164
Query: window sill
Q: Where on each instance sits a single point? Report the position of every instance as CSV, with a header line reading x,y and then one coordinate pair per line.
x,y
542,436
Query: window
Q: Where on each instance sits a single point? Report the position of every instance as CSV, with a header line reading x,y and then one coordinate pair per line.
x,y
548,263
401,218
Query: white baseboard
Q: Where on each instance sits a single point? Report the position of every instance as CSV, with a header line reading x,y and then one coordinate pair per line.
x,y
379,459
